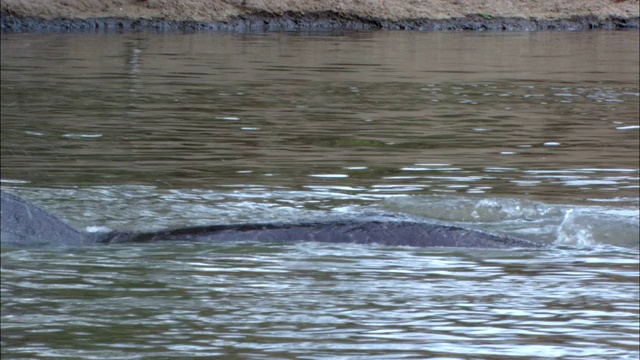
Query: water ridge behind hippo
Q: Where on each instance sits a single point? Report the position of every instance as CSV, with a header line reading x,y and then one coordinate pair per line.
x,y
24,223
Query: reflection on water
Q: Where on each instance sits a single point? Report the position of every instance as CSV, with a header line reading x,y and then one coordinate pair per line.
x,y
318,301
553,116
532,134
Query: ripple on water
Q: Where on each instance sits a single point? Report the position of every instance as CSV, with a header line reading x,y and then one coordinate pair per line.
x,y
319,300
206,138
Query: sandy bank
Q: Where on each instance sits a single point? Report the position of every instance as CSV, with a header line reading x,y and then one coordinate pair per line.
x,y
275,15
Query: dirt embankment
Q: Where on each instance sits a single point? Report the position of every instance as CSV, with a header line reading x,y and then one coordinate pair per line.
x,y
269,15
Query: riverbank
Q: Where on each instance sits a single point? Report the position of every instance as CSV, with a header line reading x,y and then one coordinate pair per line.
x,y
280,15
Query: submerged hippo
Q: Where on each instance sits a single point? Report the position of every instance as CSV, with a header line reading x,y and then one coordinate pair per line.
x,y
25,223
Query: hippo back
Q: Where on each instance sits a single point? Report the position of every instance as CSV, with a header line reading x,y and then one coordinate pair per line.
x,y
26,224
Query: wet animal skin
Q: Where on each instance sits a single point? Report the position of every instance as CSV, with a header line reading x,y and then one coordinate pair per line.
x,y
25,223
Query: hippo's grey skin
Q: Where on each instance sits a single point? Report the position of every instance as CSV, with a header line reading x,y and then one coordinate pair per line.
x,y
23,222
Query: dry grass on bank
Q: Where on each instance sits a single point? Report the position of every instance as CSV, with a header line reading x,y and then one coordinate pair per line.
x,y
220,10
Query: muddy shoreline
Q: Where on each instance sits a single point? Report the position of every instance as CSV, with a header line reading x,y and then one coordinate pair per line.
x,y
11,22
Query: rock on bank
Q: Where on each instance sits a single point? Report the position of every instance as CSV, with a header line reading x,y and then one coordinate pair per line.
x,y
286,15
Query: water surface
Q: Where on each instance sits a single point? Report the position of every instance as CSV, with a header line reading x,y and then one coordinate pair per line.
x,y
530,134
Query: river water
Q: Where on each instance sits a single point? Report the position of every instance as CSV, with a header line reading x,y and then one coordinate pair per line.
x,y
530,134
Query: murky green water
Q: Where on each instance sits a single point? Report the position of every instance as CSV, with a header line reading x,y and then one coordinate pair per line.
x,y
531,134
